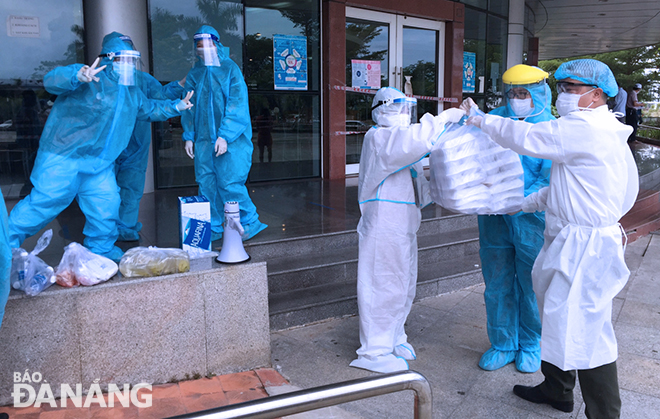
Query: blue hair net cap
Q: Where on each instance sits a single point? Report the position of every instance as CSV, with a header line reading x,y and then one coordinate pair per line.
x,y
590,72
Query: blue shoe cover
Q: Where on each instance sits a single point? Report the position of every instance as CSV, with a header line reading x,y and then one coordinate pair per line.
x,y
528,361
215,236
114,255
405,351
129,234
383,364
493,359
251,230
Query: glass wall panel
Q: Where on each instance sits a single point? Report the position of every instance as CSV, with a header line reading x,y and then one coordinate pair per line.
x,y
420,49
496,60
286,128
173,24
286,124
475,41
263,19
501,7
476,3
247,29
40,35
365,40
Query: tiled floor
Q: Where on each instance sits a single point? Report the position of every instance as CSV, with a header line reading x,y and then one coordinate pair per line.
x,y
169,399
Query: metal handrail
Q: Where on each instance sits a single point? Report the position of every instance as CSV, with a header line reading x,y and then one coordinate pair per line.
x,y
328,395
647,127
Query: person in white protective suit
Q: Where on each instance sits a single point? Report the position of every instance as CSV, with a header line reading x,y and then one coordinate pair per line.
x,y
391,192
581,267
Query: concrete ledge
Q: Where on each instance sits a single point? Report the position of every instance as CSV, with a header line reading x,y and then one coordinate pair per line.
x,y
132,330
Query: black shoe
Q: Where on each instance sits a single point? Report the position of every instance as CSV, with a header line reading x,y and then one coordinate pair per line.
x,y
535,395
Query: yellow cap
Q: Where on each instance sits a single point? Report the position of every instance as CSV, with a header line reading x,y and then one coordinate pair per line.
x,y
524,74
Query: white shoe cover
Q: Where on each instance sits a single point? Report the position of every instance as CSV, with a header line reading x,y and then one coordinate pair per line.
x,y
383,363
405,351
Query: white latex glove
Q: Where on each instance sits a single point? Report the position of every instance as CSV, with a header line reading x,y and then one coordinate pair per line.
x,y
182,82
468,104
451,115
87,74
475,120
189,149
220,146
185,102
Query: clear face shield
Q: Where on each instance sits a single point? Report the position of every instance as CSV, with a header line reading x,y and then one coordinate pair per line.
x,y
398,111
526,100
126,65
206,50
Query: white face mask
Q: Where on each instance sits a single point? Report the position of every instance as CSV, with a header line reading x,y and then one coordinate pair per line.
x,y
568,102
521,107
126,73
209,56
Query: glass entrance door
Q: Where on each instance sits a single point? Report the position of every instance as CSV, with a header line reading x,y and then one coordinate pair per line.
x,y
410,54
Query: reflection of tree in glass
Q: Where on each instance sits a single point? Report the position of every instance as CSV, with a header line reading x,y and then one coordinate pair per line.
x,y
75,53
358,45
423,77
172,53
306,21
259,67
225,16
172,35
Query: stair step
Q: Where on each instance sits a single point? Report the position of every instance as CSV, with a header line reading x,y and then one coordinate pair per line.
x,y
269,250
302,306
340,265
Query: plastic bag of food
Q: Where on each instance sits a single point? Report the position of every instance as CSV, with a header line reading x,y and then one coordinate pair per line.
x,y
153,261
28,272
472,174
79,266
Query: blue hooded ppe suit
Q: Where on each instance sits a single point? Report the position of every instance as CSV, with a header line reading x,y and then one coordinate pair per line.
x,y
131,166
221,110
5,258
509,245
89,126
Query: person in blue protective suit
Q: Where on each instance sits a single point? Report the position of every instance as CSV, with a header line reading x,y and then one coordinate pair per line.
x,y
220,129
509,244
131,166
5,258
89,126
391,193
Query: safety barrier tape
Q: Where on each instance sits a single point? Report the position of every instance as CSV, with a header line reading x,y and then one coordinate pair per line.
x,y
373,92
349,132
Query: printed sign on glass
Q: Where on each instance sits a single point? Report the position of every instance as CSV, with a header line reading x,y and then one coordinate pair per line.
x,y
469,71
366,74
290,62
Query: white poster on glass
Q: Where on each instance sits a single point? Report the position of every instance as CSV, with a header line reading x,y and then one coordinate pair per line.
x,y
366,74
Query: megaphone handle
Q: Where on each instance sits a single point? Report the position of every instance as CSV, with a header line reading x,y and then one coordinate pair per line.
x,y
232,223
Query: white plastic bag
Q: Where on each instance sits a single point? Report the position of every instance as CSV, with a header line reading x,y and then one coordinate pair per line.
x,y
28,272
79,266
471,174
153,261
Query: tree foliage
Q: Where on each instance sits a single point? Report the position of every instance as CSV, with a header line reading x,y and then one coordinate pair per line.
x,y
635,65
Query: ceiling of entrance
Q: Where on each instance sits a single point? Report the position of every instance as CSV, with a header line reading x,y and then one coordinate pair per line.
x,y
568,28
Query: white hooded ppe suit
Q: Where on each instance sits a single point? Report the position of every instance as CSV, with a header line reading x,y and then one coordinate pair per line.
x,y
581,267
387,262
